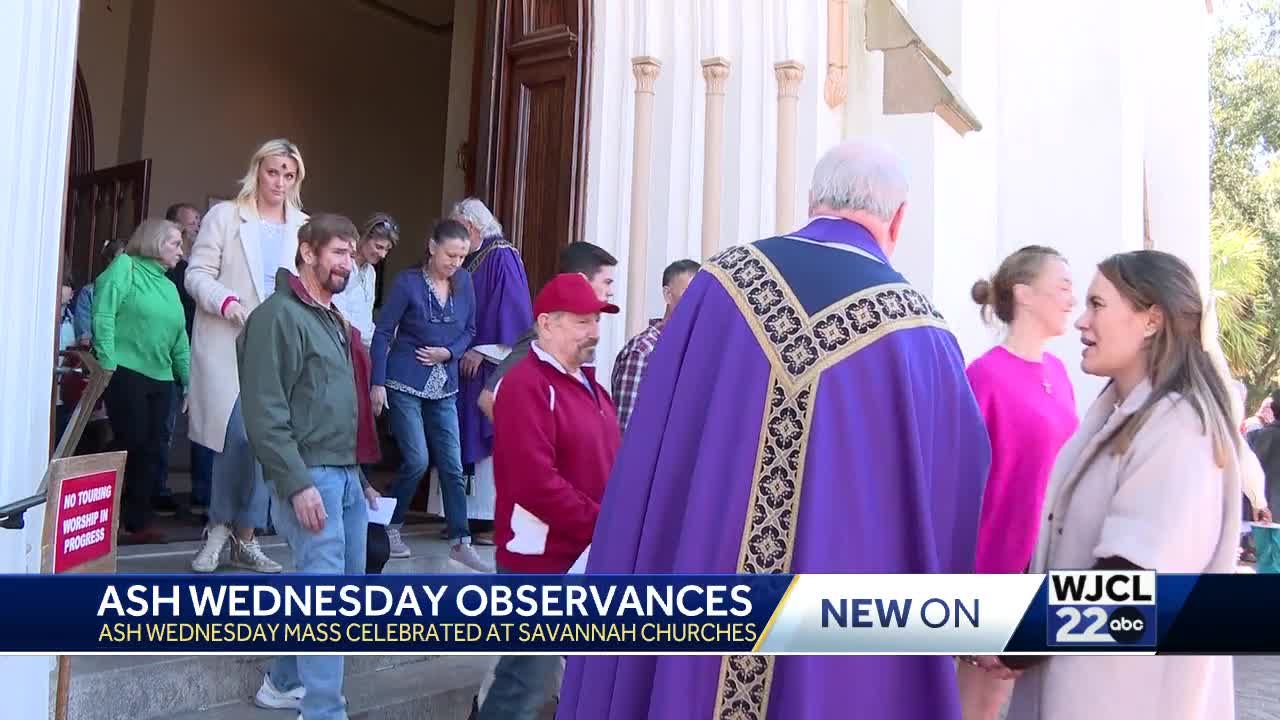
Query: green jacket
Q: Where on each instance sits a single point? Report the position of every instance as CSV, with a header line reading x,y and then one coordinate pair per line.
x,y
297,391
138,320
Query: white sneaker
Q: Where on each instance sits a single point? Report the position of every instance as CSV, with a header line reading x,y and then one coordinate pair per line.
x,y
272,698
215,538
467,555
248,555
398,548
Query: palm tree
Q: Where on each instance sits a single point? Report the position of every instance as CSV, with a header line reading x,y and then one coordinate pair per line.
x,y
1237,273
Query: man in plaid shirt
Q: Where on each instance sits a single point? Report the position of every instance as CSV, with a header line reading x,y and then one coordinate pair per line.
x,y
628,369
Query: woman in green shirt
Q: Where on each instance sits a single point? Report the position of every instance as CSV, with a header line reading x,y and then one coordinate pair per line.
x,y
140,333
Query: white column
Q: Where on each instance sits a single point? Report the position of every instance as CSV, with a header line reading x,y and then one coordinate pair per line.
x,y
790,74
964,226
1176,83
836,87
37,66
716,72
1083,127
646,71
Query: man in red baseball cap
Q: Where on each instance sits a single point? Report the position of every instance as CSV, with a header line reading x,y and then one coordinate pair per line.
x,y
555,437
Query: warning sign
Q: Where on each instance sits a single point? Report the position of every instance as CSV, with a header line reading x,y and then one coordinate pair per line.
x,y
83,525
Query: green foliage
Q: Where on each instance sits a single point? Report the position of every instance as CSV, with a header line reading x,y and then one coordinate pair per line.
x,y
1238,274
1244,74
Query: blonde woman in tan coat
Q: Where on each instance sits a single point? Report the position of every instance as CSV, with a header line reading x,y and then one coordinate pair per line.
x,y
1150,480
231,271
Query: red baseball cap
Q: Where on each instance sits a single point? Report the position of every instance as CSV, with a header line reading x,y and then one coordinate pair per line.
x,y
571,293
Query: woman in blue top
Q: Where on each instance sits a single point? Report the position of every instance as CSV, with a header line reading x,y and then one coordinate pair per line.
x,y
426,323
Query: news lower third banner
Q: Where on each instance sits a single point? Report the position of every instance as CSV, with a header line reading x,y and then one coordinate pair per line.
x,y
1063,612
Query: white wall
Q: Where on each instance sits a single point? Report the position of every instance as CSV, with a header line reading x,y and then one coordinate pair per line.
x,y
971,177
1070,107
1072,100
1070,141
1176,79
37,70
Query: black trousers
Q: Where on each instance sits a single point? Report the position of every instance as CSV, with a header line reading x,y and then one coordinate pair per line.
x,y
138,407
377,549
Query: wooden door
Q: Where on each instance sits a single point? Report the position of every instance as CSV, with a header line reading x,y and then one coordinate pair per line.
x,y
102,206
537,151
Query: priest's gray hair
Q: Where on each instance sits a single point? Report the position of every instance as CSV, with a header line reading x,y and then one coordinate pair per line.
x,y
474,213
859,174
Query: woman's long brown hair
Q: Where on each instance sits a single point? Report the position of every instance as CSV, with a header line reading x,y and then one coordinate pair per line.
x,y
1177,361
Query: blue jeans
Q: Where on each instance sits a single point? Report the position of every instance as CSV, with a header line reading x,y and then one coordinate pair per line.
x,y
519,688
239,496
337,549
416,424
201,474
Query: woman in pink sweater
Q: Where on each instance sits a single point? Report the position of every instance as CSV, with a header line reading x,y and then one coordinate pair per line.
x,y
1030,411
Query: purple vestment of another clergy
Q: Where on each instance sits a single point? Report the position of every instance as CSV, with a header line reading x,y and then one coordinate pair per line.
x,y
806,410
503,313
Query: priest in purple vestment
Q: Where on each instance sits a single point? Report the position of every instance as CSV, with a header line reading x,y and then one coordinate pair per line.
x,y
503,312
805,411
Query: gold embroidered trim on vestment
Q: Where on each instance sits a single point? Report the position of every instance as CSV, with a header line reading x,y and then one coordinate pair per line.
x,y
799,347
768,535
743,692
484,253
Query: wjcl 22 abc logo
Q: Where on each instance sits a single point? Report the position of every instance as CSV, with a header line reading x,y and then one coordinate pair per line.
x,y
1102,608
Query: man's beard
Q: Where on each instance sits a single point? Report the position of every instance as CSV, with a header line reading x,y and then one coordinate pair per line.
x,y
587,352
336,282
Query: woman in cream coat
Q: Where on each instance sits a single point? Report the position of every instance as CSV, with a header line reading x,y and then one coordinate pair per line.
x,y
1150,480
231,271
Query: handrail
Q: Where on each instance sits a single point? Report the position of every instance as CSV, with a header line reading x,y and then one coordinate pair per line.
x,y
12,514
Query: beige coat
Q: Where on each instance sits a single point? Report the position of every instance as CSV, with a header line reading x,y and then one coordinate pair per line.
x,y
226,261
1164,505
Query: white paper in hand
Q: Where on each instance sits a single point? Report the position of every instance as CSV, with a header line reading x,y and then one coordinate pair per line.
x,y
493,353
382,514
580,565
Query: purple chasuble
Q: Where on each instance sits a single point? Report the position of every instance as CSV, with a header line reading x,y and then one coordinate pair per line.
x,y
809,381
503,312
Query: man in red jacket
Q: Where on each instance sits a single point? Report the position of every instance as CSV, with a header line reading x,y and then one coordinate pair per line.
x,y
555,437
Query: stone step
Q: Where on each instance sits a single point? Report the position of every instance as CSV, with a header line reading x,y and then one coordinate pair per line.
x,y
441,689
430,555
113,687
147,687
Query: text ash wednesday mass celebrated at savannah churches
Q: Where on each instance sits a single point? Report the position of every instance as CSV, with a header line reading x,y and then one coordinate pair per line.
x,y
586,359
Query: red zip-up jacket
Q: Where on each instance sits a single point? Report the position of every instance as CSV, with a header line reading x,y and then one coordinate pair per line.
x,y
554,442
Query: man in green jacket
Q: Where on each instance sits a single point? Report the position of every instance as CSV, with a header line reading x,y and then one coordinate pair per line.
x,y
299,370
